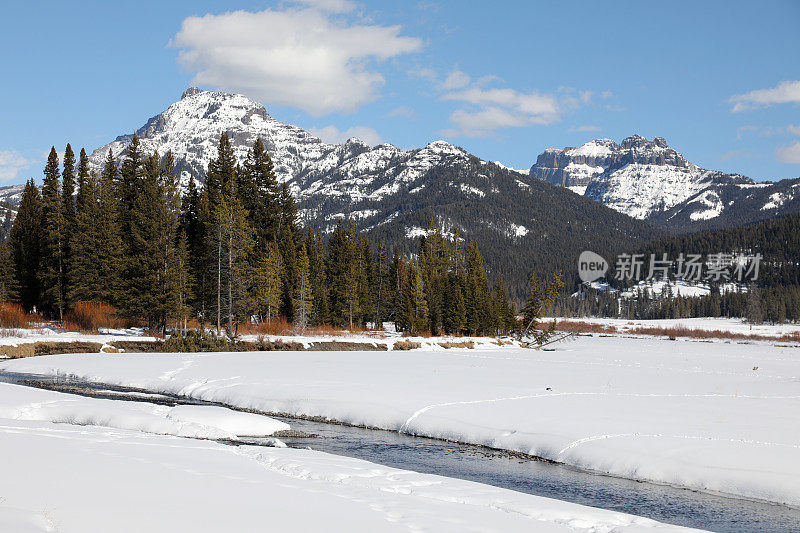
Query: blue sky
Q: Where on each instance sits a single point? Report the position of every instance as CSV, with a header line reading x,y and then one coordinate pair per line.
x,y
719,80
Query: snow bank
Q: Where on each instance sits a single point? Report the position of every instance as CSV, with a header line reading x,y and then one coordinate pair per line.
x,y
719,417
94,480
193,421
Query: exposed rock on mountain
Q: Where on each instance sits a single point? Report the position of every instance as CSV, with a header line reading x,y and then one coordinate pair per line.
x,y
648,180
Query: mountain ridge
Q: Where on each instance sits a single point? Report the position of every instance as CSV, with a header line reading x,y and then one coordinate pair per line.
x,y
649,180
390,193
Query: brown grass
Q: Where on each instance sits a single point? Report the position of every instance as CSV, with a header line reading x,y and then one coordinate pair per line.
x,y
89,317
406,345
463,344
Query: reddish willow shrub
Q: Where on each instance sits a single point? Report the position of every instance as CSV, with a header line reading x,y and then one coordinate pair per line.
x,y
13,316
91,316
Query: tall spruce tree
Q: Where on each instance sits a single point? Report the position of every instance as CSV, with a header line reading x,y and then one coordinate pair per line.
x,y
9,288
84,268
415,306
68,212
259,190
269,283
25,241
234,247
304,293
51,272
109,246
142,295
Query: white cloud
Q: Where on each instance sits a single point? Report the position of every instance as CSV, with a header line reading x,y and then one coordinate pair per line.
x,y
329,6
298,57
793,129
456,80
606,94
11,163
332,134
581,129
493,109
789,154
402,111
423,73
785,92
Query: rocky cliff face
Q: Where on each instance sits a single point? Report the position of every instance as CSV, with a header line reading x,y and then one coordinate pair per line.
x,y
646,179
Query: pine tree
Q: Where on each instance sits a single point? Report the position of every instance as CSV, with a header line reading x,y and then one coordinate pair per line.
x,y
130,176
259,190
382,286
319,287
304,295
68,213
220,171
179,288
433,259
109,247
502,309
540,299
25,241
455,317
51,273
477,297
289,255
269,282
87,240
234,246
9,288
143,283
415,305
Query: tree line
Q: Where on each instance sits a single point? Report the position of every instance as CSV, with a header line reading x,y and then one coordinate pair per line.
x,y
228,252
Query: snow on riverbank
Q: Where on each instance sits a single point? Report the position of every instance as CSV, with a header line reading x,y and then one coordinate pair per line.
x,y
193,421
75,478
732,325
708,416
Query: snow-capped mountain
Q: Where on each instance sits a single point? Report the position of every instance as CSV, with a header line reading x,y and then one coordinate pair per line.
x,y
392,193
647,179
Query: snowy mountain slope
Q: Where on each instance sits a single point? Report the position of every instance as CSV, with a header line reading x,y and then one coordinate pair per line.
x,y
392,192
647,179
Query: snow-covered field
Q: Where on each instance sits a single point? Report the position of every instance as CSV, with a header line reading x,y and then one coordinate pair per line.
x,y
73,464
718,417
732,325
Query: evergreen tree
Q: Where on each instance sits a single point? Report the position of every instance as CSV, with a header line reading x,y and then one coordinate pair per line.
x,y
477,297
319,287
51,272
109,247
502,309
25,241
68,212
382,285
87,240
179,288
234,246
220,171
289,253
143,268
9,288
258,188
415,305
455,317
269,282
304,295
130,176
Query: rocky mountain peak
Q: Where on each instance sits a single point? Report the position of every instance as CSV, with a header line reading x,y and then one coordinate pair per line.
x,y
191,91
